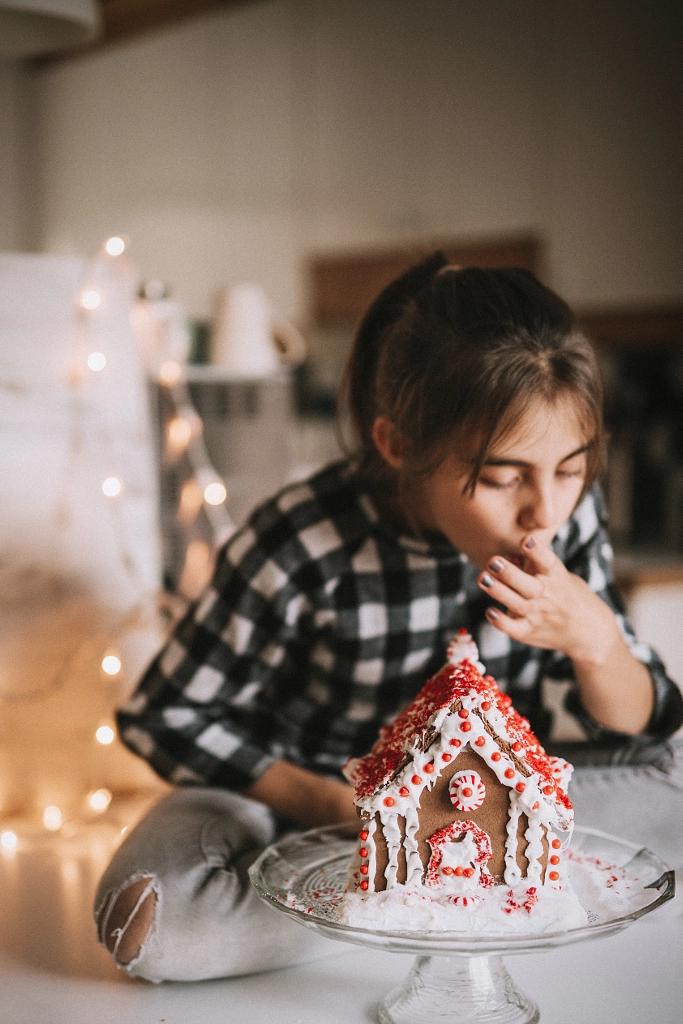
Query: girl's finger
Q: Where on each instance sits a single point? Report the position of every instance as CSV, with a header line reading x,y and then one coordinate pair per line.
x,y
521,582
515,602
539,557
516,629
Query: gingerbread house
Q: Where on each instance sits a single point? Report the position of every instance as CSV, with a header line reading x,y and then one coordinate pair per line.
x,y
457,794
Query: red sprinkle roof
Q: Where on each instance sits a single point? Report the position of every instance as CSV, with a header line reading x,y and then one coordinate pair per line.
x,y
450,684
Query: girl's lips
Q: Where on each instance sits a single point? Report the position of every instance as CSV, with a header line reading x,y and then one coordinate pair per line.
x,y
517,560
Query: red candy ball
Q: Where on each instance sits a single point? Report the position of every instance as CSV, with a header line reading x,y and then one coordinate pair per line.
x,y
364,885
553,876
466,726
495,756
509,773
389,801
416,780
404,791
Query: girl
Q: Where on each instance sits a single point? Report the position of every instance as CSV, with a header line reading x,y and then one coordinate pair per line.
x,y
468,500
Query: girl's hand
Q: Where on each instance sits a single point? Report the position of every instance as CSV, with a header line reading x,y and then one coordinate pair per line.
x,y
549,607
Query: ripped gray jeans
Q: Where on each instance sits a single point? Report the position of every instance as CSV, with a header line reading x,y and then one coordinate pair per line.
x,y
195,848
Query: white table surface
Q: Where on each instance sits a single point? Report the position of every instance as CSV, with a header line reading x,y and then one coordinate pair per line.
x,y
631,978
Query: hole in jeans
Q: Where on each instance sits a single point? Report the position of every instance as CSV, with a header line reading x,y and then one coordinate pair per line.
x,y
126,918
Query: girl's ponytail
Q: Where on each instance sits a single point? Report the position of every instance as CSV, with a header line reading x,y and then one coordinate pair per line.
x,y
357,390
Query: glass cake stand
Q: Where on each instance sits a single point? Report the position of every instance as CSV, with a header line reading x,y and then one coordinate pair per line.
x,y
457,976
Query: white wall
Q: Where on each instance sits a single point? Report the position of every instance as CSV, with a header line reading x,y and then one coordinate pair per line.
x,y
656,612
232,146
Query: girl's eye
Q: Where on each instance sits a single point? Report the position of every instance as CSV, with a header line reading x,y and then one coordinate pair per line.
x,y
566,474
498,485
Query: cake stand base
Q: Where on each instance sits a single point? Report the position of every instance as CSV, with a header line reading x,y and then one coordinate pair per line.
x,y
454,989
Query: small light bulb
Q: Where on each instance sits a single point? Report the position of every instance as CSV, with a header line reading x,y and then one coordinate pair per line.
x,y
179,431
197,568
105,735
99,799
111,486
97,361
8,841
111,664
115,245
215,493
52,818
170,373
91,299
190,502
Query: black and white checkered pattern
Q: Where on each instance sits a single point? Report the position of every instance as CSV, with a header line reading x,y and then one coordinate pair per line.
x,y
320,624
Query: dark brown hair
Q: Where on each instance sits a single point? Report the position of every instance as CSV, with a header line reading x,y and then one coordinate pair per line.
x,y
453,358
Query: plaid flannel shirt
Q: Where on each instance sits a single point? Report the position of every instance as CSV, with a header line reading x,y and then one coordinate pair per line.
x,y
320,624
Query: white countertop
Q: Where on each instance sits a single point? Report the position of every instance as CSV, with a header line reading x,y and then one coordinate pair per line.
x,y
631,978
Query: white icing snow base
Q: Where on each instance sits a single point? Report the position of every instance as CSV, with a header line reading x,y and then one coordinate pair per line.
x,y
421,909
604,890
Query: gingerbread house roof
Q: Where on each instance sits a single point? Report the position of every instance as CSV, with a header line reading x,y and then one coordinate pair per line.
x,y
457,706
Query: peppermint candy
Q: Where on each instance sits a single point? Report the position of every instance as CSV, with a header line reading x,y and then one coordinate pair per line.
x,y
467,791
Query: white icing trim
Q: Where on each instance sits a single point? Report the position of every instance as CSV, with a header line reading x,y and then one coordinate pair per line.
x,y
512,873
414,866
372,853
534,851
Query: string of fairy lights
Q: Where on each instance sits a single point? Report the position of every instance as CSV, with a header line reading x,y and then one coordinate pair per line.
x,y
203,493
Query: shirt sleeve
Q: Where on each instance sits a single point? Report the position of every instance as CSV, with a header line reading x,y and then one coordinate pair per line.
x,y
585,549
203,713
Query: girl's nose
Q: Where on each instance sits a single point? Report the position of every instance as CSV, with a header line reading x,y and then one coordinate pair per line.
x,y
538,513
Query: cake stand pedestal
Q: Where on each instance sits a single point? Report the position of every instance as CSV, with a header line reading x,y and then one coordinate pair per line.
x,y
457,977
458,988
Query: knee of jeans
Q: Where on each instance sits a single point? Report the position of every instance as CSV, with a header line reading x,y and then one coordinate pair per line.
x,y
126,917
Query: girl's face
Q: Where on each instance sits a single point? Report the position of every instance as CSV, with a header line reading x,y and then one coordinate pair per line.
x,y
529,484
